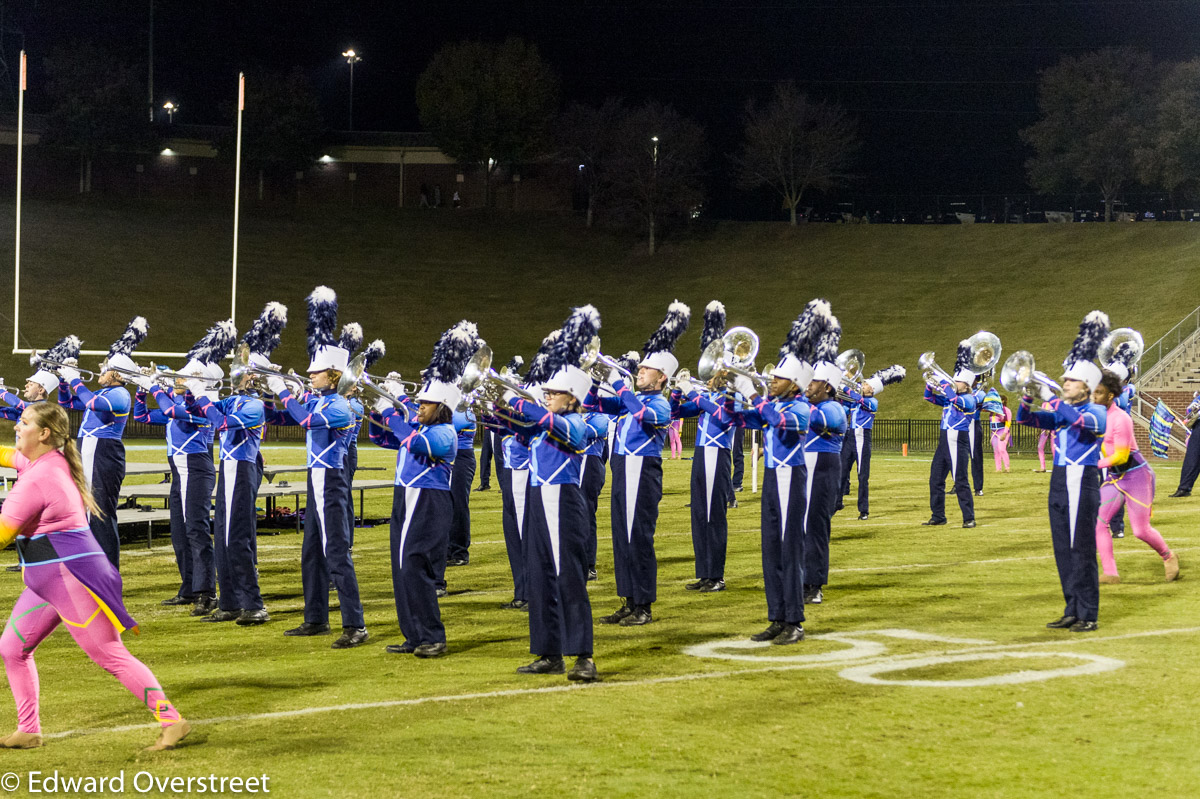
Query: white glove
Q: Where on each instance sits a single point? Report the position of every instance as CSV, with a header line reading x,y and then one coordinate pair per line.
x,y
382,404
144,382
196,387
68,374
510,397
394,388
686,386
614,376
1045,392
744,386
276,385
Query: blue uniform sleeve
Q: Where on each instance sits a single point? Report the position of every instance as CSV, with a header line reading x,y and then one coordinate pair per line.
x,y
793,418
335,415
174,408
938,399
596,427
379,433
108,405
965,403
250,415
1087,415
1026,415
565,428
721,413
827,419
13,400
67,399
142,412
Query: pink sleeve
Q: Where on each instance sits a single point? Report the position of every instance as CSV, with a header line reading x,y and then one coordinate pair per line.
x,y
1118,440
22,508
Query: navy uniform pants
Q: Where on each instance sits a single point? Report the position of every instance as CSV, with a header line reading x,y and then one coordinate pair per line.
x,y
591,480
514,485
560,614
824,479
739,460
856,449
782,520
420,532
104,468
461,479
1191,462
1074,506
712,488
636,491
977,454
192,479
236,531
951,458
486,450
325,551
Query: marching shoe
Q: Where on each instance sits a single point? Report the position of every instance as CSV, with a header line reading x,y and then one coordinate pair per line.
x,y
979,493
250,618
224,615
774,629
1118,533
442,593
933,523
1110,579
713,586
696,586
1181,493
584,670
204,605
969,525
180,599
792,634
483,488
22,740
615,618
737,489
733,502
350,638
406,648
813,596
307,628
1171,565
458,562
16,567
516,604
170,736
544,665
1063,623
430,650
641,615
1082,626
591,575
862,517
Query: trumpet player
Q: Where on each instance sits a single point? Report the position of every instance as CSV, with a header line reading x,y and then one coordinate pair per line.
x,y
193,476
240,418
953,455
861,408
42,383
421,507
637,467
106,412
976,435
1074,501
712,485
326,416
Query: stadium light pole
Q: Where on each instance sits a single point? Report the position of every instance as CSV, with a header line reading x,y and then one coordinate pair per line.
x,y
352,58
17,221
170,108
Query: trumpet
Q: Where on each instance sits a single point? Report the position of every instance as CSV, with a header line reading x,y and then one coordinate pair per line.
x,y
599,365
145,371
54,366
1020,374
243,373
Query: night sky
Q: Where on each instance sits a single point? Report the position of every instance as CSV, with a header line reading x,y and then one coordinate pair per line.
x,y
941,88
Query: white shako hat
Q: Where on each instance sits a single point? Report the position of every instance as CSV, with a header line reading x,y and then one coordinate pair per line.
x,y
658,348
323,350
1080,362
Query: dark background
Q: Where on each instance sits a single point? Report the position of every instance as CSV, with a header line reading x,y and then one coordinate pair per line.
x,y
941,88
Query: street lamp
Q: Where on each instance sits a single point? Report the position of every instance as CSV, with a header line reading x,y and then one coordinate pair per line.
x,y
170,108
352,58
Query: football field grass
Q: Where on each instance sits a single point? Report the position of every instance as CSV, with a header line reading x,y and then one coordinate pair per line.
x,y
953,618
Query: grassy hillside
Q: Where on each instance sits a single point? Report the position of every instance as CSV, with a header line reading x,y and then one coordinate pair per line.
x,y
898,290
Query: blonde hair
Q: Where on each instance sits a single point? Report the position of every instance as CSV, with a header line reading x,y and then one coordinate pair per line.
x,y
51,417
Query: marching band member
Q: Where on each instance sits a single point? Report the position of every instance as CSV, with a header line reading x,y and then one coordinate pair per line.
x,y
350,340
1079,427
953,456
240,419
591,476
492,449
783,415
459,553
637,467
556,528
106,412
823,458
189,453
856,447
1128,479
421,506
42,383
1191,457
67,577
976,436
325,551
712,485
1001,425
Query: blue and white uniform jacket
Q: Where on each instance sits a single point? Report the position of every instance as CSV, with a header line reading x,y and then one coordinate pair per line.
x,y
860,411
1078,429
826,427
328,420
556,453
595,433
785,423
106,410
956,408
464,429
642,419
426,452
240,420
718,417
187,433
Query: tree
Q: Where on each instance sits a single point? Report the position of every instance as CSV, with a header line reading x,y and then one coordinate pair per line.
x,y
281,127
1171,155
98,102
589,136
1094,110
793,145
488,104
657,170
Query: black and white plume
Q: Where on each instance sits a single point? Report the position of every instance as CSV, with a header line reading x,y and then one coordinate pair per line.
x,y
539,368
714,324
64,349
577,332
451,355
886,377
801,341
673,326
263,336
322,319
962,358
1092,331
515,364
135,334
351,338
830,338
215,344
629,362
373,353
1125,354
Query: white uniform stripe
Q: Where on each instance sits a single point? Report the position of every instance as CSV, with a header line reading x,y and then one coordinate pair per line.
x,y
181,469
411,495
783,489
318,483
810,460
520,487
1074,483
710,473
633,479
952,443
230,473
550,497
859,440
